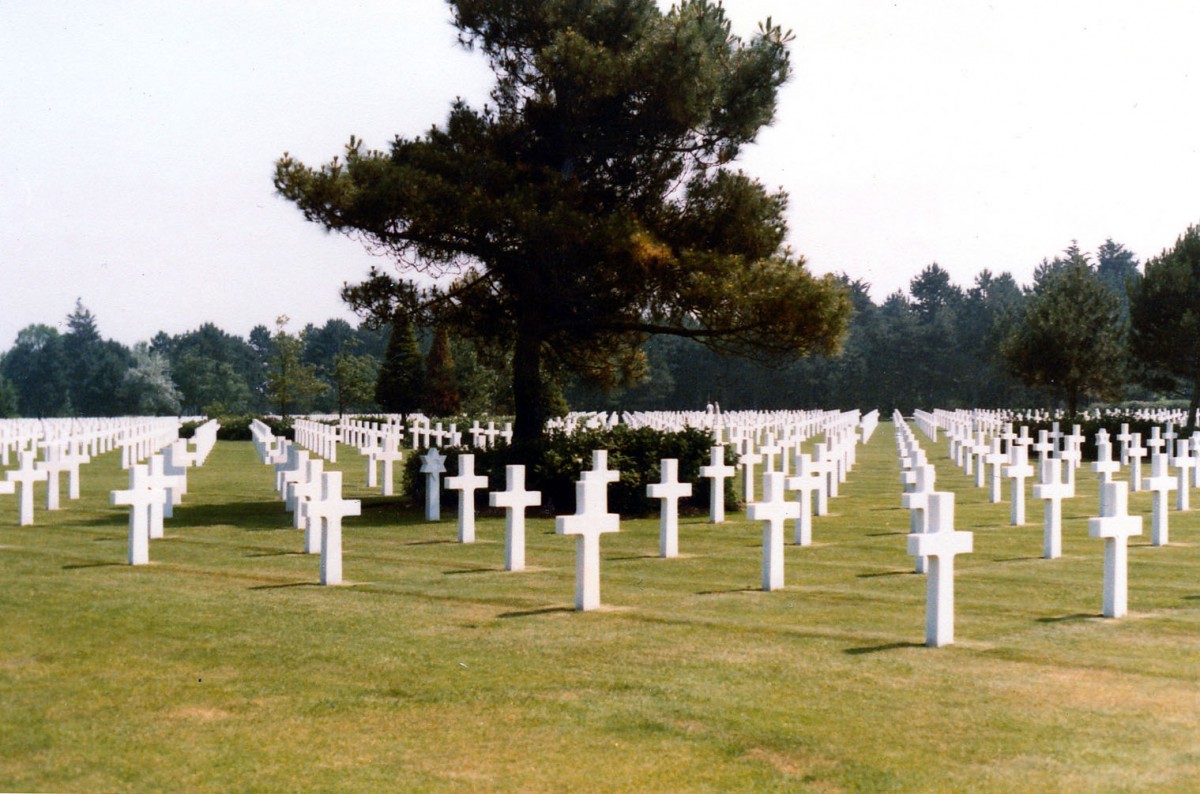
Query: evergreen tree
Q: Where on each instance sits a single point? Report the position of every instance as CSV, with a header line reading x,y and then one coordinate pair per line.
x,y
401,385
1165,320
443,397
352,380
290,382
1070,339
593,203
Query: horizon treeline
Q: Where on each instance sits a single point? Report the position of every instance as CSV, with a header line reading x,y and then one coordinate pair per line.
x,y
937,344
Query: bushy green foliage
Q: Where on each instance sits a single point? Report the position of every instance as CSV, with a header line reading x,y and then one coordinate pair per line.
x,y
237,427
561,458
1089,427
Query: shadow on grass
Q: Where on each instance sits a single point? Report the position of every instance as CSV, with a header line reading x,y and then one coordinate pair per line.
x,y
79,565
886,573
282,586
734,590
471,570
1017,559
427,542
277,554
250,516
534,612
891,646
1068,618
634,557
883,534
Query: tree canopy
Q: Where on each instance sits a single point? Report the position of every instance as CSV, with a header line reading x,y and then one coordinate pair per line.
x,y
1165,319
592,204
1071,339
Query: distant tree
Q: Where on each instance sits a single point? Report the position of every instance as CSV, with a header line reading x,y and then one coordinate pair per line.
x,y
289,380
1165,320
148,388
95,367
443,396
401,385
1070,339
36,366
1117,269
9,397
214,369
592,203
352,380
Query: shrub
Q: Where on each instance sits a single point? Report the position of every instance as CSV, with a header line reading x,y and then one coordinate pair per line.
x,y
634,453
237,428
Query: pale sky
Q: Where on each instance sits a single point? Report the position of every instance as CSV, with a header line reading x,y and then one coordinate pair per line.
x,y
137,142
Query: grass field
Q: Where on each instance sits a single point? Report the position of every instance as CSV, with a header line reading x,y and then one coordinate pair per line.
x,y
223,666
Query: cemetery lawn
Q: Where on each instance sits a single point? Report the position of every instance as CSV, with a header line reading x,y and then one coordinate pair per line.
x,y
223,666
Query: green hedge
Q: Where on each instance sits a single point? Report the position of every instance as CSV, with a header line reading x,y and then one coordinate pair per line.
x,y
237,428
634,453
1090,427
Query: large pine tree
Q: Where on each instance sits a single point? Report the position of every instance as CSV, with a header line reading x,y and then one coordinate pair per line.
x,y
592,203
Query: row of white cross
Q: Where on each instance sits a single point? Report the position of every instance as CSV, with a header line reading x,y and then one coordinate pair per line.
x,y
1059,456
65,445
814,480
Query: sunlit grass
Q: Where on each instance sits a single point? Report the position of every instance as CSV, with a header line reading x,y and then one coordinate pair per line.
x,y
222,665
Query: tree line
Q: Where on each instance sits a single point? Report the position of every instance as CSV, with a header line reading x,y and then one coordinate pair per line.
x,y
1089,328
1100,327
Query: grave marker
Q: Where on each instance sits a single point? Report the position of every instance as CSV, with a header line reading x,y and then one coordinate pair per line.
x,y
515,500
773,511
1115,527
941,544
669,490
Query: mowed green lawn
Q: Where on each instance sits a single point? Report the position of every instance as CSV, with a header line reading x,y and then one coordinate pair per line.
x,y
223,666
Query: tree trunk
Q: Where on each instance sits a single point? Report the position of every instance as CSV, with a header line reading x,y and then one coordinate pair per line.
x,y
528,399
1193,405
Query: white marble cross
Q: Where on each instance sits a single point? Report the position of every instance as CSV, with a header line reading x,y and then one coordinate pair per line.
x,y
1105,467
1044,447
979,451
54,466
590,521
1017,471
1124,437
1116,527
1184,462
1052,490
717,473
747,461
466,482
25,476
770,450
328,511
433,466
996,458
515,500
389,456
940,544
806,481
773,511
304,492
158,479
140,497
1161,483
1135,453
74,457
669,490
917,503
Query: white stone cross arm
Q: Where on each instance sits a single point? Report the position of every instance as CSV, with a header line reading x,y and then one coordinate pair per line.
x,y
466,482
940,544
773,510
590,521
515,500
